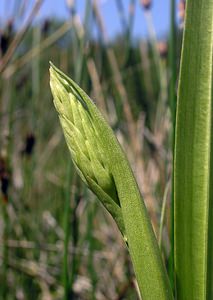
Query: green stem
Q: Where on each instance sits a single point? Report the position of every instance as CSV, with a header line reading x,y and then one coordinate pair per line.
x,y
67,234
147,262
172,97
5,253
172,60
162,217
76,258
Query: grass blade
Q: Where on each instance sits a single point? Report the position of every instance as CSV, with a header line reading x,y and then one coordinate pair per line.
x,y
210,239
172,96
192,152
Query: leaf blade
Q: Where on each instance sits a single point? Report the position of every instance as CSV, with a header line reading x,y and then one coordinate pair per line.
x,y
192,152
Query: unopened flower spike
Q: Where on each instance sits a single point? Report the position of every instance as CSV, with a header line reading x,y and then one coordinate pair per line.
x,y
78,116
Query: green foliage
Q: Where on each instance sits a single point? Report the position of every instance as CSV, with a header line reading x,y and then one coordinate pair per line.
x,y
192,173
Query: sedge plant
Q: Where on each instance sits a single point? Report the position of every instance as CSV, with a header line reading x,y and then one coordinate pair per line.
x,y
103,166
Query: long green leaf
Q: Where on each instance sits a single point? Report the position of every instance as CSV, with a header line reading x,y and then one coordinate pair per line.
x,y
103,166
192,152
210,235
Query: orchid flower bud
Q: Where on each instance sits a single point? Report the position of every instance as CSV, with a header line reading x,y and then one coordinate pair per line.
x,y
79,116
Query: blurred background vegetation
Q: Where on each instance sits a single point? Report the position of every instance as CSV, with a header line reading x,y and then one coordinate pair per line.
x,y
56,240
